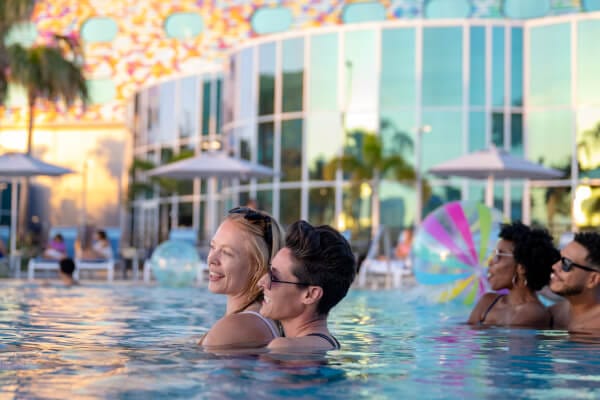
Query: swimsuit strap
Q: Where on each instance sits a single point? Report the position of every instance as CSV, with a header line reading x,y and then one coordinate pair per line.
x,y
485,314
332,340
265,320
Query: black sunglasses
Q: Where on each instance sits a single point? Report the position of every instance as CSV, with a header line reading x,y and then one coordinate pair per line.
x,y
273,279
252,215
567,265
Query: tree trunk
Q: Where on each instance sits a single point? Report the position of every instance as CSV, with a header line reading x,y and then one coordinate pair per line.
x,y
375,209
24,201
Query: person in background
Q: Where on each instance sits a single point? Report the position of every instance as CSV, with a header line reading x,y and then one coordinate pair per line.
x,y
93,245
521,263
402,249
67,267
307,278
56,249
102,246
240,254
576,277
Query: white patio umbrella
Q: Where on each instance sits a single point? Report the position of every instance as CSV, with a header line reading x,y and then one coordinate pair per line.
x,y
212,165
20,165
493,163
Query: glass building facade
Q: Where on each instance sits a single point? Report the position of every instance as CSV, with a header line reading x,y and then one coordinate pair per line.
x,y
295,101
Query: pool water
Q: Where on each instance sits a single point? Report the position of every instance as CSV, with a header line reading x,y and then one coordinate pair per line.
x,y
122,341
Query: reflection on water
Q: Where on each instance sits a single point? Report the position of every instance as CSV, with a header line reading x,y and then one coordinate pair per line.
x,y
121,341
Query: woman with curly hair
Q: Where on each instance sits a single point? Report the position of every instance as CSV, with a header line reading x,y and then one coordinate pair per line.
x,y
522,264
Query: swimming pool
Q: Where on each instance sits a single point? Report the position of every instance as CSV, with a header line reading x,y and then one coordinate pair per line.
x,y
123,341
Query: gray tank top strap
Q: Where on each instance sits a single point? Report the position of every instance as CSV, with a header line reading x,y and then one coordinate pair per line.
x,y
267,321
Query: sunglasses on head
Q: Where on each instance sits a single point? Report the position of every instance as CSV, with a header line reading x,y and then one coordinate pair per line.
x,y
254,216
568,264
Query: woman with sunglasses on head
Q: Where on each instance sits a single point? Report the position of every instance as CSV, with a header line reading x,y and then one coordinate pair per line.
x,y
576,277
240,253
521,263
308,277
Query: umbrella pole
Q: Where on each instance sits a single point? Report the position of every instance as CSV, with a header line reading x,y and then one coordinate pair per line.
x,y
489,191
14,216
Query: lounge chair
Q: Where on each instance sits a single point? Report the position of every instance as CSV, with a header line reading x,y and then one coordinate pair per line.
x,y
393,270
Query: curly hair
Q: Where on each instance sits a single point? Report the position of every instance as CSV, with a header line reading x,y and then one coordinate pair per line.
x,y
534,250
591,241
323,257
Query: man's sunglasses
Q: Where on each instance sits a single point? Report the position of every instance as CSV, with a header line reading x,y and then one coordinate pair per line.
x,y
257,217
273,279
567,265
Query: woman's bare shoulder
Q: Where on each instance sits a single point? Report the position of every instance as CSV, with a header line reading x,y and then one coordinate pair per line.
x,y
238,330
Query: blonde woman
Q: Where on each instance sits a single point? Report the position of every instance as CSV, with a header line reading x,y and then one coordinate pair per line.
x,y
240,254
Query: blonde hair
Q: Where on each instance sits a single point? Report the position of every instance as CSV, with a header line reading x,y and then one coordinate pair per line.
x,y
259,258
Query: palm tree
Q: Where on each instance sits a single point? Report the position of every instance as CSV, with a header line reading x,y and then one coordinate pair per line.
x,y
51,73
12,12
369,164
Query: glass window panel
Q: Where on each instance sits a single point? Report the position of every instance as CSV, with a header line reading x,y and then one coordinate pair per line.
x,y
477,131
588,62
218,105
293,75
551,208
323,72
444,141
516,65
498,129
397,204
442,66
516,201
166,112
289,210
206,107
244,135
321,206
265,143
266,84
398,74
231,89
441,195
291,150
555,124
477,66
397,130
588,142
356,208
361,76
99,29
246,102
152,118
498,66
550,61
265,200
324,142
188,107
184,25
185,214
516,134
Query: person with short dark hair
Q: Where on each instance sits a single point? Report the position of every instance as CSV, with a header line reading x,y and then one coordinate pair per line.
x,y
307,278
521,263
576,277
67,267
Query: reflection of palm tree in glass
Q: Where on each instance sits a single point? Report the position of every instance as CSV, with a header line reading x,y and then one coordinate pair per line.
x,y
588,162
557,198
364,161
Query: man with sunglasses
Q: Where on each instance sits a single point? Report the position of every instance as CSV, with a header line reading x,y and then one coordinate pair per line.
x,y
307,278
576,277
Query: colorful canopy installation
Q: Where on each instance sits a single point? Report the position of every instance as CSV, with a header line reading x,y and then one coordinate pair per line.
x,y
451,249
